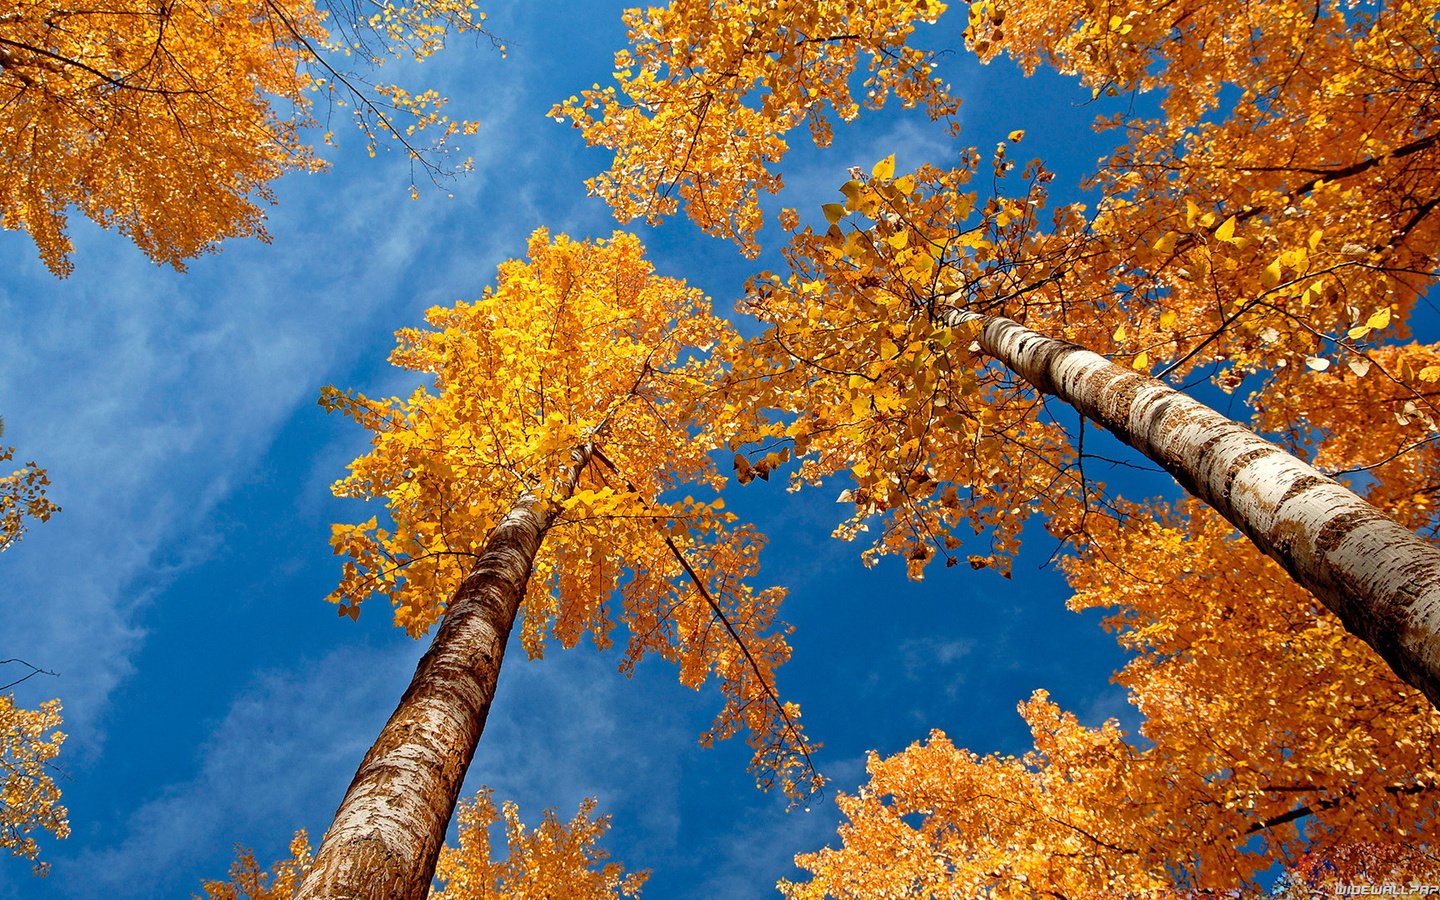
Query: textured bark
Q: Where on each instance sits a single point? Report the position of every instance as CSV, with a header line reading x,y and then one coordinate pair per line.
x,y
388,831
1381,579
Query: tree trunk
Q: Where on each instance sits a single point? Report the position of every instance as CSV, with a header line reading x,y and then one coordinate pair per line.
x,y
1381,579
388,831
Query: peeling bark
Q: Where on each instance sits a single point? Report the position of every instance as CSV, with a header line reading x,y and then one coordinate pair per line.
x,y
1381,579
389,829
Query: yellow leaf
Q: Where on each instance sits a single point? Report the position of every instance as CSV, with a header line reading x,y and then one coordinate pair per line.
x,y
885,168
1270,275
1380,319
1168,319
1192,213
1142,362
834,212
1430,373
1359,331
1119,334
1017,135
1226,231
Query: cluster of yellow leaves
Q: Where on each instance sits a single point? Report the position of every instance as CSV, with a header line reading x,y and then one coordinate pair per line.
x,y
555,859
582,349
22,496
709,90
1260,714
1288,236
156,120
168,121
249,881
1266,227
29,798
859,372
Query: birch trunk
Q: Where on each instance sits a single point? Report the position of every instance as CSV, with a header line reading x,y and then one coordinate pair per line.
x,y
388,831
1381,579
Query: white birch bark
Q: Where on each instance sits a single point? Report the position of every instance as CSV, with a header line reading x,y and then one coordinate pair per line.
x,y
1381,579
388,832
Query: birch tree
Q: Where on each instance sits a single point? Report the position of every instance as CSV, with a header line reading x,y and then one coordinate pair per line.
x,y
1290,234
1280,239
540,475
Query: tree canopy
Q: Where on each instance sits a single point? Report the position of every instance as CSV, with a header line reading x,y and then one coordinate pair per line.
x,y
936,342
168,122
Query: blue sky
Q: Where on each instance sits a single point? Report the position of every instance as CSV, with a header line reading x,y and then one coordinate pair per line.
x,y
213,697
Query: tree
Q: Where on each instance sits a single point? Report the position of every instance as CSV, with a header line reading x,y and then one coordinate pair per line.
x,y
169,121
543,470
556,859
1210,247
1272,237
892,384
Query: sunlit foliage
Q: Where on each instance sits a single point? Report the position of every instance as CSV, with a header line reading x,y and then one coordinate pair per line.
x,y
22,497
29,797
554,859
581,349
169,121
708,91
1268,733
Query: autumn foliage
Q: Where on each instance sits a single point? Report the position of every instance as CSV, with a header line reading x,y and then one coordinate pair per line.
x,y
554,859
29,796
1268,733
708,91
29,738
169,122
1266,222
581,349
22,497
1275,223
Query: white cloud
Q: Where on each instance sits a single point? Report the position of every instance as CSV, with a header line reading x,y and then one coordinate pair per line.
x,y
150,395
924,658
